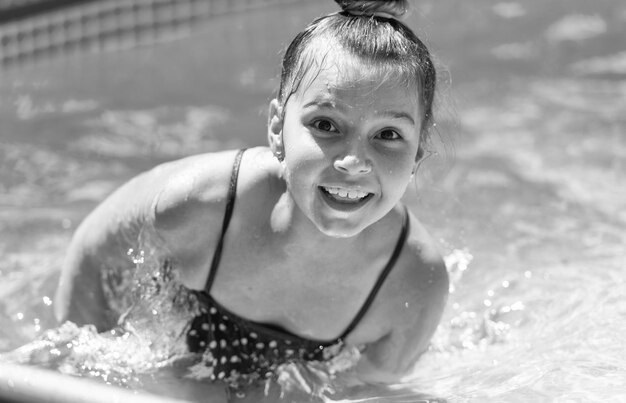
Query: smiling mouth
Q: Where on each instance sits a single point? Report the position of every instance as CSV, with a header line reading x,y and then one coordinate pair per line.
x,y
345,195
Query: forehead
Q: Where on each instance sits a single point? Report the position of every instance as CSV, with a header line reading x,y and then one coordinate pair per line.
x,y
335,74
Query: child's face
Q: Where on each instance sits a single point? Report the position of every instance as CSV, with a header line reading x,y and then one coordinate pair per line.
x,y
350,143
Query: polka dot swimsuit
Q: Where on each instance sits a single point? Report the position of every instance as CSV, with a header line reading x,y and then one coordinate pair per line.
x,y
240,351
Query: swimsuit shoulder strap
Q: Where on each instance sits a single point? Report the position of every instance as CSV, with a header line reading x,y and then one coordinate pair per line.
x,y
381,278
230,205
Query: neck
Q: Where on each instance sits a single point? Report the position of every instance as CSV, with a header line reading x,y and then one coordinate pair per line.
x,y
296,230
301,239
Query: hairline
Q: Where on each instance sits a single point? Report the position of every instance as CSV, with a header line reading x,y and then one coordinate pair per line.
x,y
310,59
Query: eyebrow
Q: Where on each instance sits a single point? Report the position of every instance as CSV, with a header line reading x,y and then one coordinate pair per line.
x,y
326,103
398,115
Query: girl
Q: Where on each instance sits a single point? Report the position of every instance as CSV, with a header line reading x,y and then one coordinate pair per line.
x,y
300,249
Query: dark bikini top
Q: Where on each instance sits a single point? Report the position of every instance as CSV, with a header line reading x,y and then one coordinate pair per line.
x,y
241,351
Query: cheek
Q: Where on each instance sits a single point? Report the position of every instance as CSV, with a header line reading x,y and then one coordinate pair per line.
x,y
397,174
398,164
302,153
301,165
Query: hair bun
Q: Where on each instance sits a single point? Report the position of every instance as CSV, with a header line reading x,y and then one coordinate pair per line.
x,y
379,8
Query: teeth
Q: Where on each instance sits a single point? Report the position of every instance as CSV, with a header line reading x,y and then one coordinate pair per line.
x,y
346,193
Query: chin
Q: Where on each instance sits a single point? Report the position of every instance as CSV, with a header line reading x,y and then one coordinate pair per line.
x,y
337,229
340,235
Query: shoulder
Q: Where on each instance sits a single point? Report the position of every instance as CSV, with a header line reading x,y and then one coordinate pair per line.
x,y
412,303
194,184
189,209
422,279
425,283
424,264
200,178
420,276
418,288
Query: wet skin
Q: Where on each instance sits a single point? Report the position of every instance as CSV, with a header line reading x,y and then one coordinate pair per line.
x,y
349,145
309,235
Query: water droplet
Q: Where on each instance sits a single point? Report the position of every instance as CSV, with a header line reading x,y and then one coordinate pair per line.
x,y
505,284
528,274
47,301
487,302
490,293
19,316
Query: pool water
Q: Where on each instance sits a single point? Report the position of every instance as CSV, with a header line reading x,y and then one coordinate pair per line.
x,y
525,188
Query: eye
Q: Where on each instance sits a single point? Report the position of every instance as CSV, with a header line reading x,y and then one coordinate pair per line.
x,y
324,125
388,134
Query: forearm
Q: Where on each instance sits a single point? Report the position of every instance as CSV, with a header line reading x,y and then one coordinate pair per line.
x,y
80,298
99,247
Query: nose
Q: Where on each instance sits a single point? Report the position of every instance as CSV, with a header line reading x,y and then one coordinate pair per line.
x,y
352,165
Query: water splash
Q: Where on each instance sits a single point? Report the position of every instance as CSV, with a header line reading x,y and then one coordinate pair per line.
x,y
478,321
457,262
148,348
147,338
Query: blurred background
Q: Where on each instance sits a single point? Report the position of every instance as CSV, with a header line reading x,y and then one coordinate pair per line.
x,y
524,188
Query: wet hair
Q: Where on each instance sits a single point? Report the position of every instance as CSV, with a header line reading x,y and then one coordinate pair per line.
x,y
370,31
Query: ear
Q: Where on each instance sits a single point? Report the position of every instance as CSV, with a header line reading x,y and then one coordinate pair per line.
x,y
275,128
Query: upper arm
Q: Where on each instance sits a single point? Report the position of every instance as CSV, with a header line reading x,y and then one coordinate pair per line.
x,y
101,244
188,215
415,318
